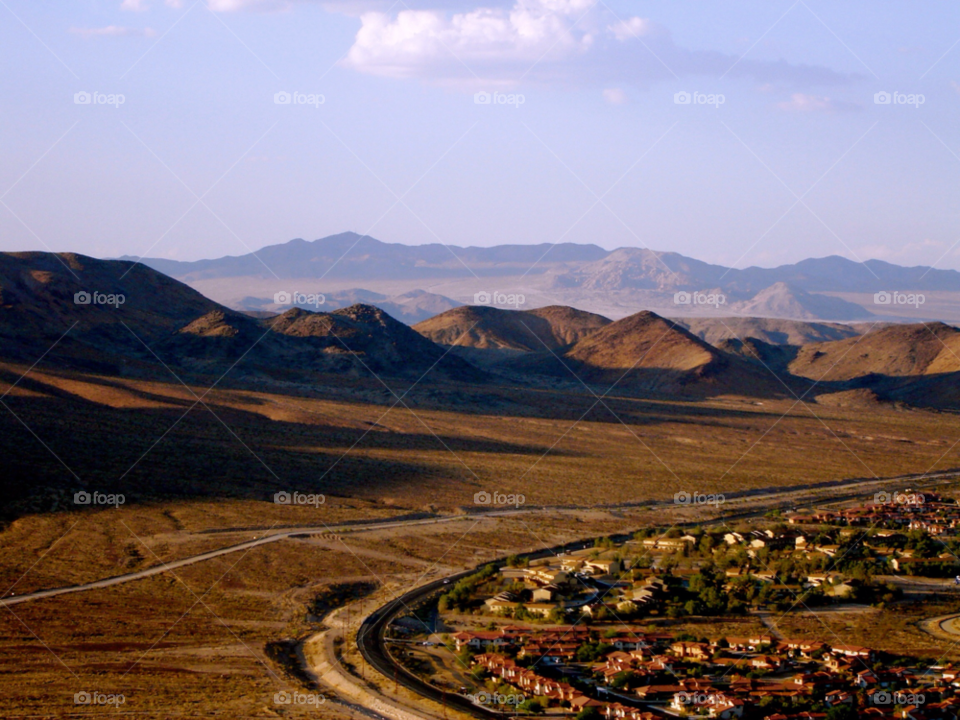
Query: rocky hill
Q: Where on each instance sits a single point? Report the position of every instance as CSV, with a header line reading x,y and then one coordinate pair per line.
x,y
482,327
121,317
774,331
782,300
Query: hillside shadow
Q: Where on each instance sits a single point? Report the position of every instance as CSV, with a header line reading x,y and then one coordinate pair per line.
x,y
65,443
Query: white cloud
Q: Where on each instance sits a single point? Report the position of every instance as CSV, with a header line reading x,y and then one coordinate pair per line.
x,y
801,102
134,5
575,42
113,31
630,29
415,40
614,96
235,5
806,103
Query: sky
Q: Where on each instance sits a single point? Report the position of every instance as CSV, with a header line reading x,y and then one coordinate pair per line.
x,y
748,135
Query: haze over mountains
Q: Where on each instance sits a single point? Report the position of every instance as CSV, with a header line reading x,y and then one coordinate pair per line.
x,y
57,308
416,282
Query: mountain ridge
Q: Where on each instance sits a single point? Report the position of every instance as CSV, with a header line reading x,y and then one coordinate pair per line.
x,y
569,265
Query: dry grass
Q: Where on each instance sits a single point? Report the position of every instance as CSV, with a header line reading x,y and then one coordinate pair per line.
x,y
450,444
203,486
893,629
194,642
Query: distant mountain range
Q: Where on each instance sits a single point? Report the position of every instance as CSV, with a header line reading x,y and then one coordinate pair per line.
x,y
414,282
361,258
117,318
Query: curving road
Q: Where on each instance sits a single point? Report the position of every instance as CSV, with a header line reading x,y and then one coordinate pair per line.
x,y
770,493
174,564
370,637
371,640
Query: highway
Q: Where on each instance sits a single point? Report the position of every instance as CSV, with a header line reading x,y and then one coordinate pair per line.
x,y
371,634
370,638
756,494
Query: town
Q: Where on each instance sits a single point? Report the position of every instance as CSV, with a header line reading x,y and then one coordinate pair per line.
x,y
562,634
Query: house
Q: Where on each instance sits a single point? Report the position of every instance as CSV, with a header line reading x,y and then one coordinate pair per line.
x,y
545,593
692,650
581,702
480,639
854,651
603,567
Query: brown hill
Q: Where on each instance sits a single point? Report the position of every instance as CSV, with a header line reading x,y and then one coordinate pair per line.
x,y
774,331
786,301
372,336
490,328
651,352
893,351
119,317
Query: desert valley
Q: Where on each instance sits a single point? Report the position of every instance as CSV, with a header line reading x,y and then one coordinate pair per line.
x,y
479,359
225,495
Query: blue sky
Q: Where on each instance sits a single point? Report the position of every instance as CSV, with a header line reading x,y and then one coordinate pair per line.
x,y
584,143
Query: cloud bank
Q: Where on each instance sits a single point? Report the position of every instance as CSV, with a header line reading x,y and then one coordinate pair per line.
x,y
574,41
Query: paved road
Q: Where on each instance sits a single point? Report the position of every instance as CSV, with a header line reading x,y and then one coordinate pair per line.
x,y
174,564
370,642
370,636
943,627
769,493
